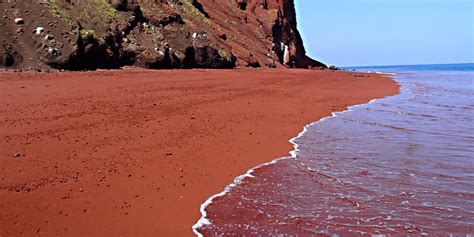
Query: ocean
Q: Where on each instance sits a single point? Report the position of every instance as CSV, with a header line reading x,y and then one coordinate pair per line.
x,y
399,165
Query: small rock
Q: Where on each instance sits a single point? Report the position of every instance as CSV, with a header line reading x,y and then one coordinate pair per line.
x,y
223,36
53,51
169,154
242,4
17,155
271,62
39,30
19,21
49,37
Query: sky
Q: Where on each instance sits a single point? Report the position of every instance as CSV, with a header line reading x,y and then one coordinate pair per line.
x,y
387,32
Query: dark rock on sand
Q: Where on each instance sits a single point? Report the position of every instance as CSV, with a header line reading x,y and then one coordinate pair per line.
x,y
9,57
253,61
6,59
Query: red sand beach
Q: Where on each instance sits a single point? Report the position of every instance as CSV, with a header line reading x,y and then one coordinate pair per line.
x,y
136,152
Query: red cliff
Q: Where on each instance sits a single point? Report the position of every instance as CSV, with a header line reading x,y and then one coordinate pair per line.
x,y
79,35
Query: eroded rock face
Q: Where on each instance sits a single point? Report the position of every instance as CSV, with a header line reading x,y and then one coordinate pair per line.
x,y
83,35
287,40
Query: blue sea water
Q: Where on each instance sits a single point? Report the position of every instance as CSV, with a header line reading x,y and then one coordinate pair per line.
x,y
460,67
396,166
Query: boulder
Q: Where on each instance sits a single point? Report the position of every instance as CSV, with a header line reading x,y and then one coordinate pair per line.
x,y
253,61
209,57
6,59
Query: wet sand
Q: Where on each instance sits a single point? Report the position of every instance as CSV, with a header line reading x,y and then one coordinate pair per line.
x,y
136,152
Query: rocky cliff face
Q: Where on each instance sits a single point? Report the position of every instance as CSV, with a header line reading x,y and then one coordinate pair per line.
x,y
81,35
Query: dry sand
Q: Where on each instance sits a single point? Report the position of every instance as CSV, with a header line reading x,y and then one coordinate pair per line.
x,y
136,152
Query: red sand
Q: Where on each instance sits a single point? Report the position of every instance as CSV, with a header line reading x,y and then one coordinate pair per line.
x,y
136,152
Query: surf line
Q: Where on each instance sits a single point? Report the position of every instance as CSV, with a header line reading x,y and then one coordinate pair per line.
x,y
203,220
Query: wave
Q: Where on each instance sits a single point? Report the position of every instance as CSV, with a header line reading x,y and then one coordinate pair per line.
x,y
204,220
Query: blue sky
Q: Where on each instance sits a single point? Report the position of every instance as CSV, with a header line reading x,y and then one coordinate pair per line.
x,y
387,32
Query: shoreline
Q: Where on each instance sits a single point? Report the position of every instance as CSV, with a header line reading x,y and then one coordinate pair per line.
x,y
176,162
203,221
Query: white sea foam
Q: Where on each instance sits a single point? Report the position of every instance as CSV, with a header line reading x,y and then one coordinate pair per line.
x,y
386,73
203,221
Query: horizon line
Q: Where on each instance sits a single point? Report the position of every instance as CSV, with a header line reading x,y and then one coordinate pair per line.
x,y
392,65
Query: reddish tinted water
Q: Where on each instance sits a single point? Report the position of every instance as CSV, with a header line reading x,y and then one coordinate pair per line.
x,y
400,165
